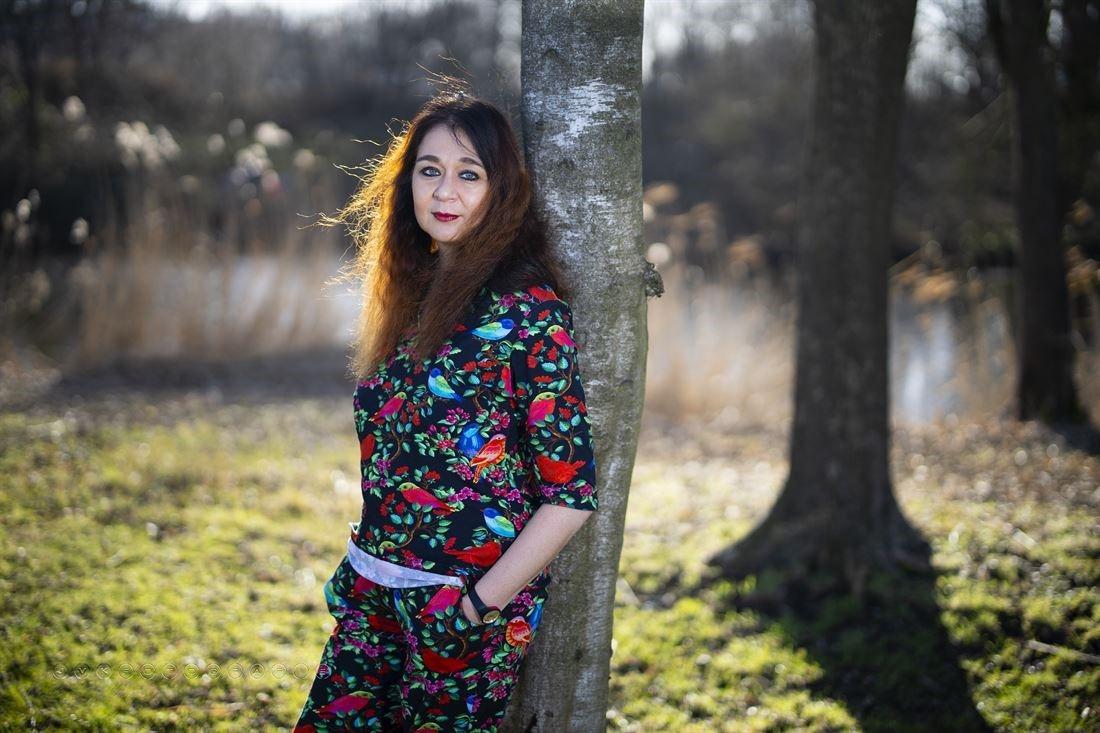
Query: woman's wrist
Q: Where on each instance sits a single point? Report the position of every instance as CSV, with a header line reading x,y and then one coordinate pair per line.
x,y
471,610
468,610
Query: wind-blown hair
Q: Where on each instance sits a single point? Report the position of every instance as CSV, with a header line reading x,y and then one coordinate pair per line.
x,y
506,244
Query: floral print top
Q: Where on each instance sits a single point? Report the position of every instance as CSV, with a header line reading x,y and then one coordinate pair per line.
x,y
458,451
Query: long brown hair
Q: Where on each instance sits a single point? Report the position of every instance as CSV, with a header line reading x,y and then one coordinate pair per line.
x,y
507,245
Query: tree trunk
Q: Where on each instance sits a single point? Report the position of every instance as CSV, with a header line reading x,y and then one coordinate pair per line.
x,y
581,90
836,517
28,24
1079,136
1044,352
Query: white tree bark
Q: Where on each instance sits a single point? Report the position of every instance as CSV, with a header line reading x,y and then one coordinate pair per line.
x,y
581,78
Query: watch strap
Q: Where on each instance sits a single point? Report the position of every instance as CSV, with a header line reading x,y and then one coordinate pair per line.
x,y
479,605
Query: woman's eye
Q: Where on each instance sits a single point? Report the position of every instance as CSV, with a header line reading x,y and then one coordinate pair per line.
x,y
431,171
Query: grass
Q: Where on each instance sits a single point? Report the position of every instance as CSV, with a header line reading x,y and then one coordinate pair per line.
x,y
166,529
191,532
1003,637
192,543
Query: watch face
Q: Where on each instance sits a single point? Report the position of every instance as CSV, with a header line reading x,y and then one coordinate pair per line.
x,y
491,616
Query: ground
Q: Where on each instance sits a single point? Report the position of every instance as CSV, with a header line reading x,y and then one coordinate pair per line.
x,y
162,551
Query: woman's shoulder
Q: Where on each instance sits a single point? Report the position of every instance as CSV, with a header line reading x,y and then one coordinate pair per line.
x,y
539,295
521,313
525,309
533,311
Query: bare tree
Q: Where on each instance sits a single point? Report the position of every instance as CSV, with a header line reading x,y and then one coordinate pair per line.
x,y
1044,352
1079,108
837,517
581,87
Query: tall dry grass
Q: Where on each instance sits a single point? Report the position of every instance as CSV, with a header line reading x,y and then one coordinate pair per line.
x,y
725,352
719,352
164,287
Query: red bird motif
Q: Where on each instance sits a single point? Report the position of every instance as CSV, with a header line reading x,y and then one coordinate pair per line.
x,y
346,704
443,599
393,404
362,585
439,663
561,336
557,472
413,494
543,294
383,624
541,408
518,631
482,556
506,376
489,454
366,447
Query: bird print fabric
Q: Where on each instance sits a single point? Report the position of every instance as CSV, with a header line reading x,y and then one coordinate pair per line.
x,y
406,659
457,452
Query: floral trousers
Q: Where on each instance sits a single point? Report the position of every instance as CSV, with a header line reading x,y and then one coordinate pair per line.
x,y
406,659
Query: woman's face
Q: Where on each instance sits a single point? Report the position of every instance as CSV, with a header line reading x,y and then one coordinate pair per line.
x,y
448,179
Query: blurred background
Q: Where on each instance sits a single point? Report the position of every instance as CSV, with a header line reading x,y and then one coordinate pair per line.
x,y
163,162
178,453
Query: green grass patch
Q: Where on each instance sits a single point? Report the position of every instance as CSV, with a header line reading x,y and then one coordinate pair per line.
x,y
167,574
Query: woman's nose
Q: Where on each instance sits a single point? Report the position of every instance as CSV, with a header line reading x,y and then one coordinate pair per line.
x,y
444,190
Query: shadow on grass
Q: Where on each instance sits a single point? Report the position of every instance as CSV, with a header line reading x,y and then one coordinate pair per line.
x,y
1083,437
889,659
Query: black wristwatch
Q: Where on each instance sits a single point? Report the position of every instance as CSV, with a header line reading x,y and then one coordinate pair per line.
x,y
488,614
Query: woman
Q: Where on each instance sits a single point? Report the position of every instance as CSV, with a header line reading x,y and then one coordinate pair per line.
x,y
476,454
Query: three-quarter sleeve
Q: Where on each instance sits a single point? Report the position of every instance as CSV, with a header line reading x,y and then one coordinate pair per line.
x,y
554,429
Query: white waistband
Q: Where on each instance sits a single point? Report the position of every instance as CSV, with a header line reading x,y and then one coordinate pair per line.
x,y
393,575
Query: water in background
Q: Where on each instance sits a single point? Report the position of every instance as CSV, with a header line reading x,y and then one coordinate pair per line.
x,y
728,351
715,351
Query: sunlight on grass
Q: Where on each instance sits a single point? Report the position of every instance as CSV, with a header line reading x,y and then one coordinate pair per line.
x,y
198,547
168,546
1009,572
163,555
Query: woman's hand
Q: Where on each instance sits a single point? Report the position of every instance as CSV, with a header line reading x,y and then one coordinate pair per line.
x,y
469,611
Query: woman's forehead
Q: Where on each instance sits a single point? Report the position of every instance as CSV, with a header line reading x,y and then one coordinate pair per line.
x,y
441,142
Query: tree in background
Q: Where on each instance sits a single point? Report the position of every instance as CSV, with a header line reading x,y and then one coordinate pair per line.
x,y
1044,186
581,90
837,518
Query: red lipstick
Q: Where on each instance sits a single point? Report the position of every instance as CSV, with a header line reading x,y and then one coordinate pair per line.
x,y
444,217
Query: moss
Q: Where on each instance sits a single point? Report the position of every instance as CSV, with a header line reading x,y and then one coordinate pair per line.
x,y
203,543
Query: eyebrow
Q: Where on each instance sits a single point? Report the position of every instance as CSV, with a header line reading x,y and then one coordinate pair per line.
x,y
463,159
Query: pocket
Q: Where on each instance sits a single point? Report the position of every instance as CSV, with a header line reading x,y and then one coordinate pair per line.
x,y
335,589
449,643
345,591
520,619
525,608
471,630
